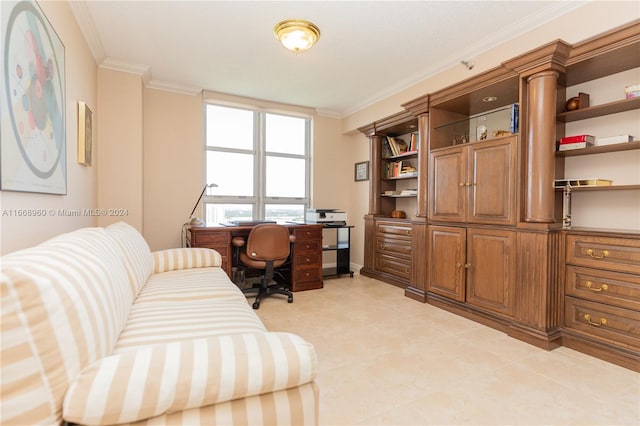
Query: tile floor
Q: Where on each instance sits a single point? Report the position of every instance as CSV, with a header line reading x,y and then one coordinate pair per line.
x,y
385,359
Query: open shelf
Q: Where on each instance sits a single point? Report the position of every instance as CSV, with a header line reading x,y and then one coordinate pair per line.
x,y
626,146
599,110
602,188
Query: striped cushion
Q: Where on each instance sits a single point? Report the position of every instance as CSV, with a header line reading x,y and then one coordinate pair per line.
x,y
188,285
137,256
64,304
184,258
153,323
295,406
161,379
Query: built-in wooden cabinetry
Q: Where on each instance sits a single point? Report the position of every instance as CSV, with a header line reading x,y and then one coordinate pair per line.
x,y
487,237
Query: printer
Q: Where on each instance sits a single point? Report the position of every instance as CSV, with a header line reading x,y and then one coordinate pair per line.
x,y
326,217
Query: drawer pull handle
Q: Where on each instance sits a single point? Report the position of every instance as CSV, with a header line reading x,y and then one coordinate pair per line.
x,y
467,265
587,318
590,286
383,246
407,270
408,232
593,254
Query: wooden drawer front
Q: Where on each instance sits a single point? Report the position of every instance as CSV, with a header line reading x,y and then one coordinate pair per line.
x,y
307,234
308,274
394,265
617,254
393,247
303,260
618,326
221,238
392,228
603,286
307,246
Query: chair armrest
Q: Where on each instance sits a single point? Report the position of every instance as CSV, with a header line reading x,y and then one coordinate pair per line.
x,y
164,378
185,258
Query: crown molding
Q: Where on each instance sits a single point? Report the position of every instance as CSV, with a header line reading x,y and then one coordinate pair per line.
x,y
88,28
116,65
172,87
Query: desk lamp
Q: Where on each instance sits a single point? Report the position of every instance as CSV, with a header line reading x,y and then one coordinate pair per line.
x,y
196,221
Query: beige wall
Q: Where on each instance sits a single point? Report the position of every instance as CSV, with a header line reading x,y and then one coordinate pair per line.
x,y
173,164
81,82
120,162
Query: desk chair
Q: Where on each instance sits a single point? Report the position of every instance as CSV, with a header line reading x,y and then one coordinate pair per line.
x,y
267,247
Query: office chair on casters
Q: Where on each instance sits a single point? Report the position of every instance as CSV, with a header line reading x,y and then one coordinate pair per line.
x,y
267,247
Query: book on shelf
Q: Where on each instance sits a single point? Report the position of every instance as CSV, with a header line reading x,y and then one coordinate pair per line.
x,y
578,138
611,140
396,145
413,142
574,145
514,124
400,169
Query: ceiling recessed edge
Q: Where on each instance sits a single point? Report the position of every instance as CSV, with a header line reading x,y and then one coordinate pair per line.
x,y
116,65
176,88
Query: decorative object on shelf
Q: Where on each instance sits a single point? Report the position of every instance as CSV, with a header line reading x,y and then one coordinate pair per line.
x,y
361,171
296,35
612,140
481,129
500,133
85,134
398,214
632,91
33,141
578,102
196,221
566,206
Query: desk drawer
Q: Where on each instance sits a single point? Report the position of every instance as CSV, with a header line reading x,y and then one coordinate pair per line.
x,y
303,275
307,234
199,238
616,254
303,260
617,326
614,288
307,246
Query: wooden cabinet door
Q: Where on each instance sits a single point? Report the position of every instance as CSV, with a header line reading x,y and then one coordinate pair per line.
x,y
491,267
492,186
447,259
447,184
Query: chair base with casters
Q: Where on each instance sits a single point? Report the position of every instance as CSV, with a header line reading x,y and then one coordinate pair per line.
x,y
264,289
267,248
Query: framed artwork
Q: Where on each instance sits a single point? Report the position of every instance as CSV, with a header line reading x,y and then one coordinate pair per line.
x,y
85,134
32,102
362,171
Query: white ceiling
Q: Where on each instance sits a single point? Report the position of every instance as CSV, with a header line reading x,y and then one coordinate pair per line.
x,y
367,50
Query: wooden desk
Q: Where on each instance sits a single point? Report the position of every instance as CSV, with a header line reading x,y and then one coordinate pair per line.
x,y
306,255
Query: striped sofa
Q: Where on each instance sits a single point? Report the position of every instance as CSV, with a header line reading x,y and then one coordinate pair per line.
x,y
97,329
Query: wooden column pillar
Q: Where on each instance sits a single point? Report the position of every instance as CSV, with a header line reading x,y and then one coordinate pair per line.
x,y
541,146
375,183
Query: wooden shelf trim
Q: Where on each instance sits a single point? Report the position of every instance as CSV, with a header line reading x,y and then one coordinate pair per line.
x,y
399,196
408,154
599,110
626,146
602,188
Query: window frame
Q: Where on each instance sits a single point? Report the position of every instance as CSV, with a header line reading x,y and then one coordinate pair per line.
x,y
259,199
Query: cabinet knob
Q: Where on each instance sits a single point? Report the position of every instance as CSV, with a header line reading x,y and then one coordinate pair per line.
x,y
593,254
383,246
590,286
603,321
408,232
308,260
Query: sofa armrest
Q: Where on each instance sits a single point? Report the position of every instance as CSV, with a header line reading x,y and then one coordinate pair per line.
x,y
185,258
165,378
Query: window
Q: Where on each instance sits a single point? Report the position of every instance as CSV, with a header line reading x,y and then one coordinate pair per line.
x,y
260,162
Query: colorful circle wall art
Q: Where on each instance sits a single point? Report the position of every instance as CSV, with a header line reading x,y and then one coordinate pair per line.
x,y
33,146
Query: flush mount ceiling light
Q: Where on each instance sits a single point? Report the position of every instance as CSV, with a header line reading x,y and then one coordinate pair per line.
x,y
489,99
296,35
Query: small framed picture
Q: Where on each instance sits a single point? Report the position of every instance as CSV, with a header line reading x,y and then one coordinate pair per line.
x,y
85,134
362,171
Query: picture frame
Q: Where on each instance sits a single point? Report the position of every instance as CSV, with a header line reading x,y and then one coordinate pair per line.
x,y
361,171
85,134
32,102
